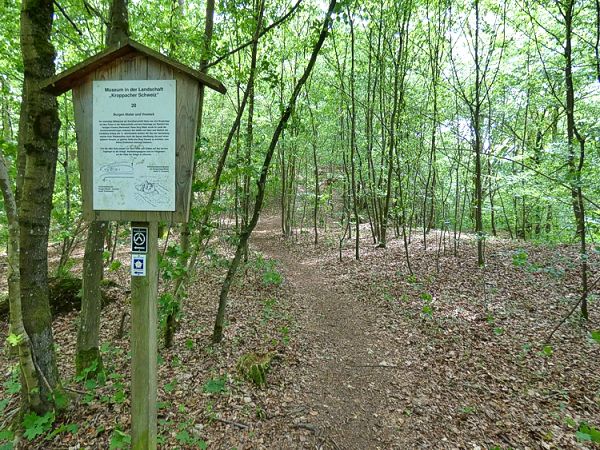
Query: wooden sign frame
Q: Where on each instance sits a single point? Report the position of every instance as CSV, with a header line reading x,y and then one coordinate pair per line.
x,y
131,60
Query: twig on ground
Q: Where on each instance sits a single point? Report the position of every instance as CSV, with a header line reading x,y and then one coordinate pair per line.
x,y
306,426
571,311
8,416
75,390
381,366
231,422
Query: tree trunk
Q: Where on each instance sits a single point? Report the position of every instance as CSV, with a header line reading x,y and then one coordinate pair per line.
x,y
30,386
353,148
188,258
38,137
88,331
575,162
93,270
478,146
261,183
313,141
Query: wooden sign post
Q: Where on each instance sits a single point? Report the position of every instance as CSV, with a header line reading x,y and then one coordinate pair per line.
x,y
136,114
144,311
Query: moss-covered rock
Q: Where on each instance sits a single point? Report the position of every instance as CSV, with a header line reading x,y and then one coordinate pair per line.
x,y
254,367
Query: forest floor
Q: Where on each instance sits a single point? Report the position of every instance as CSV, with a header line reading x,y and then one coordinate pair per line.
x,y
366,354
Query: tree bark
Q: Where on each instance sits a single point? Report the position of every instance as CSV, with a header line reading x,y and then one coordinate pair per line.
x,y
38,139
30,389
575,161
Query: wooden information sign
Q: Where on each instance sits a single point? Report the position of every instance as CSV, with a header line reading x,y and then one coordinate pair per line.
x,y
136,114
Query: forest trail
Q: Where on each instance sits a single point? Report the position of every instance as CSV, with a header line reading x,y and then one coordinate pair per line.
x,y
369,356
450,357
351,375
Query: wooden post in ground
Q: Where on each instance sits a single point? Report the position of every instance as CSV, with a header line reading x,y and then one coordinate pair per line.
x,y
113,92
144,302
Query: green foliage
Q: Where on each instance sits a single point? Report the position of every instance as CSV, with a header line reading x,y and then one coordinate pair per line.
x,y
64,271
170,387
14,339
268,269
467,410
519,257
269,309
412,279
215,385
595,335
6,437
587,433
119,440
427,309
167,304
426,297
171,267
13,384
71,428
115,265
285,334
187,440
89,373
34,425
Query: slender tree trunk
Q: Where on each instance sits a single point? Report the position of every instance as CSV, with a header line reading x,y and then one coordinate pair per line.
x,y
29,379
478,146
316,173
353,148
188,255
261,183
575,162
88,332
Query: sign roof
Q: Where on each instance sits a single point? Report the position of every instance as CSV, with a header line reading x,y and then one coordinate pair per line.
x,y
72,77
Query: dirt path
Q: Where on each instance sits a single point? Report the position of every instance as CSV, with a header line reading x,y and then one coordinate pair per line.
x,y
348,374
377,370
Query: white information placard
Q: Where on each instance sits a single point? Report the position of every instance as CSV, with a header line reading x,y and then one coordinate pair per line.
x,y
134,145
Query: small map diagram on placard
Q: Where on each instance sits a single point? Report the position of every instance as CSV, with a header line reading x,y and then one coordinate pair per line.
x,y
152,192
117,170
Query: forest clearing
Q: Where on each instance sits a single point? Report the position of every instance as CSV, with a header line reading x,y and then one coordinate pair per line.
x,y
335,224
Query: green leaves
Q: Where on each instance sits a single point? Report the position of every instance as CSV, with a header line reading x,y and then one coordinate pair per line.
x,y
6,437
427,307
35,425
14,339
170,387
595,335
13,385
187,439
119,440
519,257
215,385
587,433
